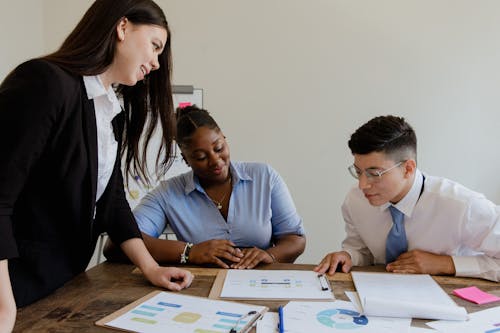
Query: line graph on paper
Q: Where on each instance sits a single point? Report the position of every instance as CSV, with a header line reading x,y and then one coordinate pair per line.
x,y
273,284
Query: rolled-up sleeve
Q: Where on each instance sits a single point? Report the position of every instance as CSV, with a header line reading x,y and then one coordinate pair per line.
x,y
285,219
150,213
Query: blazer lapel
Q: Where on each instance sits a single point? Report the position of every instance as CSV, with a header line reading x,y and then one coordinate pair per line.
x,y
90,128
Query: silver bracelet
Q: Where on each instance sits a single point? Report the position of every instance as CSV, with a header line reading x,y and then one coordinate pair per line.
x,y
185,253
272,257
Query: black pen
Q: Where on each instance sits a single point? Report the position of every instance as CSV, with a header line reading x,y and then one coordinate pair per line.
x,y
323,281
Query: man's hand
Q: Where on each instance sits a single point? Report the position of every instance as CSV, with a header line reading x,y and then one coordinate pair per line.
x,y
332,260
422,262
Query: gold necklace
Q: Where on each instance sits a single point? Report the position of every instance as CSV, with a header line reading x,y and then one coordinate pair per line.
x,y
218,204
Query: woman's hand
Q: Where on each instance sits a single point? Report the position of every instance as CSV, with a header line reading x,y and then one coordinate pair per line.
x,y
286,249
7,302
214,251
168,277
252,257
172,278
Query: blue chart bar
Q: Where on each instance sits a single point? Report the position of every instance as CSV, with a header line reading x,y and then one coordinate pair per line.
x,y
171,305
144,313
224,327
228,314
154,308
493,330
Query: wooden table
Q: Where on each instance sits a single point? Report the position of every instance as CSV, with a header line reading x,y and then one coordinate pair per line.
x,y
108,287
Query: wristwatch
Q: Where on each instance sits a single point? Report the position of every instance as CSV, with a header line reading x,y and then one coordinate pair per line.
x,y
185,253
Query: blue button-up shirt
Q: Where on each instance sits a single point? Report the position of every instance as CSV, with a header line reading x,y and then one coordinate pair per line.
x,y
260,208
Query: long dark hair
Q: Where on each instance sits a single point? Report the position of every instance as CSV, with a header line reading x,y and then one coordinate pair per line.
x,y
89,50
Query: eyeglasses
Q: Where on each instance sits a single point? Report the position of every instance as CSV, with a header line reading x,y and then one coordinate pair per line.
x,y
372,174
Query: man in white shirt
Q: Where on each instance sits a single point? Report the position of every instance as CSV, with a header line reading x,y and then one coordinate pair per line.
x,y
443,227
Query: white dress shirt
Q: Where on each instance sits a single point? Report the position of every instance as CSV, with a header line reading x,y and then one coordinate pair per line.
x,y
446,219
106,106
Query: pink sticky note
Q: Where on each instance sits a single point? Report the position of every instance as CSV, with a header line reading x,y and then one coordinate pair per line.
x,y
184,104
476,295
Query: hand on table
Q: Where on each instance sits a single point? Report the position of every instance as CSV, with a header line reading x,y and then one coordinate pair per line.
x,y
332,260
214,251
422,262
172,278
252,257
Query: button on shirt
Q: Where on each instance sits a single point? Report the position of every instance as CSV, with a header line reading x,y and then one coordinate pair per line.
x,y
260,208
447,219
106,106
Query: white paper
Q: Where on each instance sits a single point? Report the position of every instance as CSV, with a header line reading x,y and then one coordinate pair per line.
x,y
336,316
405,296
354,298
487,321
421,330
273,284
269,323
170,312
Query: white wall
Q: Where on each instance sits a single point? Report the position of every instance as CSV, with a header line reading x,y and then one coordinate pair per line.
x,y
290,80
20,32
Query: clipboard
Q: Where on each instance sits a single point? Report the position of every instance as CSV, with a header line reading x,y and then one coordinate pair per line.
x,y
251,313
220,279
103,322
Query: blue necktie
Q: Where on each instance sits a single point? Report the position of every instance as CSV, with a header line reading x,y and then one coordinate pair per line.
x,y
396,238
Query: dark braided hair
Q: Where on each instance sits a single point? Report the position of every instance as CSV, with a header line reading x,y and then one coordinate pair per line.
x,y
190,118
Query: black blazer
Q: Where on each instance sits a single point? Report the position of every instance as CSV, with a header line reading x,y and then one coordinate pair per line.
x,y
48,180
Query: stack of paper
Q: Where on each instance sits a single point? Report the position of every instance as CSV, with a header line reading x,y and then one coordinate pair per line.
x,y
487,321
405,296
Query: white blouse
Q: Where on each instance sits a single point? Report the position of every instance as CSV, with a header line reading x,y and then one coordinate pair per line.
x,y
106,106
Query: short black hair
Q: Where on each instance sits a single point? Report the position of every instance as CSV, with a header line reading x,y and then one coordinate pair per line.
x,y
386,134
189,118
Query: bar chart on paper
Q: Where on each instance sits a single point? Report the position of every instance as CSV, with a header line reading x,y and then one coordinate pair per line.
x,y
170,312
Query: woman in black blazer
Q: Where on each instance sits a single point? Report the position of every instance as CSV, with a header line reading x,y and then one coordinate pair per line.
x,y
62,137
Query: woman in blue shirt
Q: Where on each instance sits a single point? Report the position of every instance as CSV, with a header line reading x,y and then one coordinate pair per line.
x,y
231,214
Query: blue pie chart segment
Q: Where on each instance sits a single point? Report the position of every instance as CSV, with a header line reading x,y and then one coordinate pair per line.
x,y
341,319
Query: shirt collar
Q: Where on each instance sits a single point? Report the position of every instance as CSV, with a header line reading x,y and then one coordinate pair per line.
x,y
407,204
95,88
237,174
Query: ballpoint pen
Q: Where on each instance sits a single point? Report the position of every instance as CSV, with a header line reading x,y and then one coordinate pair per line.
x,y
281,325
